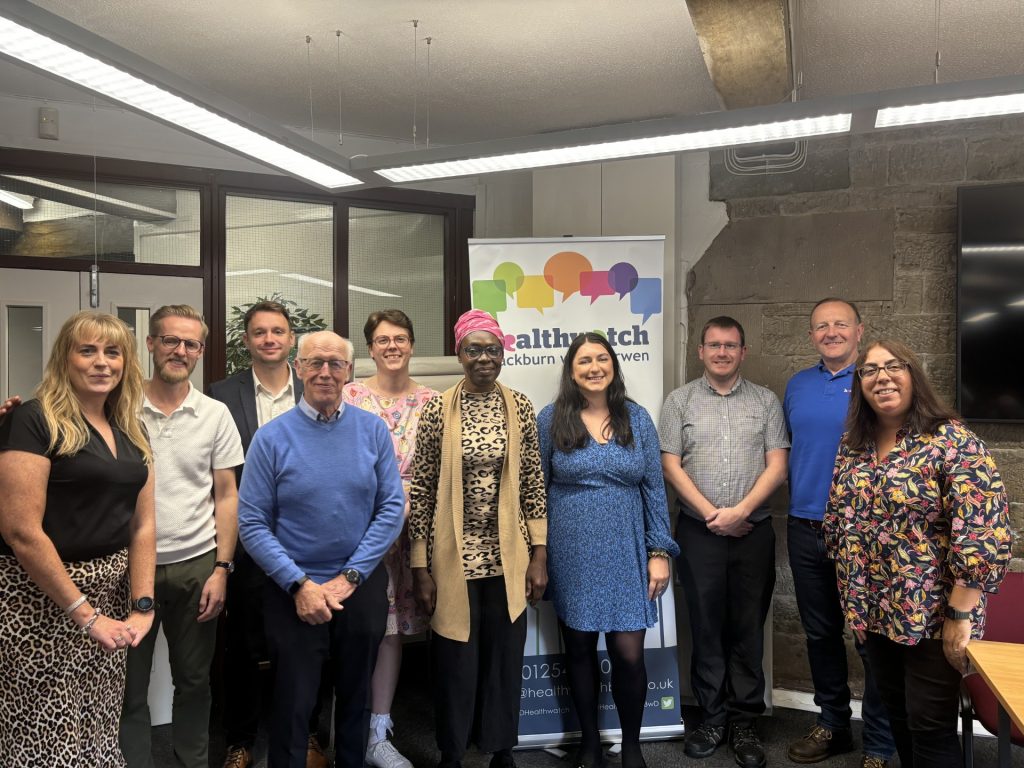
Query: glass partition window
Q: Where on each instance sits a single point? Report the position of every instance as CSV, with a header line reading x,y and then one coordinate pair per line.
x,y
24,344
62,218
279,250
396,261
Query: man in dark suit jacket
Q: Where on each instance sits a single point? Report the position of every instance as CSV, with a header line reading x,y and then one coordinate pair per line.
x,y
254,397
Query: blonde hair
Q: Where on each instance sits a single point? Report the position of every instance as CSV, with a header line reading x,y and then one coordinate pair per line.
x,y
176,310
61,408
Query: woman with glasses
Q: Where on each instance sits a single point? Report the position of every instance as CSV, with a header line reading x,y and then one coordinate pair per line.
x,y
917,523
394,396
78,551
608,537
478,531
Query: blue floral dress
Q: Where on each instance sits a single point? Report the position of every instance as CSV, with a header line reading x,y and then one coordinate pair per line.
x,y
606,509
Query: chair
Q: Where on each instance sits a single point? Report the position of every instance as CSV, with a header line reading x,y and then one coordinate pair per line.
x,y
1004,623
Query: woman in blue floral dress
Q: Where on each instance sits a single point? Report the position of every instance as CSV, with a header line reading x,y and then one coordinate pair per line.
x,y
918,525
608,536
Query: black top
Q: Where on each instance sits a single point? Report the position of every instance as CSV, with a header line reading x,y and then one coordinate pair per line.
x,y
91,496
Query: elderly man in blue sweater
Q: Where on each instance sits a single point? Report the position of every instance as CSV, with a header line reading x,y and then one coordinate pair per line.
x,y
321,501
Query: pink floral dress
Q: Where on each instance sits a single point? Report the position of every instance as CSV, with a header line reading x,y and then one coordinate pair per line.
x,y
402,416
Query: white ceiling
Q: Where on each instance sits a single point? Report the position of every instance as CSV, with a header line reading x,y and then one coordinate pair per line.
x,y
502,68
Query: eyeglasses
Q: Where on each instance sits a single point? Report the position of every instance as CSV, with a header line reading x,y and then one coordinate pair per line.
x,y
892,367
838,325
493,351
728,346
192,346
387,341
316,363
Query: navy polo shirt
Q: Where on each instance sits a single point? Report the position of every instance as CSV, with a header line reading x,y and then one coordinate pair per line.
x,y
815,407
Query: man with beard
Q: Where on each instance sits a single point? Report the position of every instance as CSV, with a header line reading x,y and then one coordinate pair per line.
x,y
196,449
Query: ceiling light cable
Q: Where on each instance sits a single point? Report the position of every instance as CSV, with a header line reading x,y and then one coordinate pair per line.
x,y
341,133
428,93
938,53
415,61
309,81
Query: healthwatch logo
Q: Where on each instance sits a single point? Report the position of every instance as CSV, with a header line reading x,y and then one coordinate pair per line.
x,y
567,273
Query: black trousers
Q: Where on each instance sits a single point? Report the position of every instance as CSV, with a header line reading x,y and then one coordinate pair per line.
x,y
298,652
728,583
921,691
478,684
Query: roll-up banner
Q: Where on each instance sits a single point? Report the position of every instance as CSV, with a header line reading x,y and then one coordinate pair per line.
x,y
543,293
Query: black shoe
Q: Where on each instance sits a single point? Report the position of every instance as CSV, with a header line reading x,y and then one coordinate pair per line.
x,y
746,747
502,759
704,741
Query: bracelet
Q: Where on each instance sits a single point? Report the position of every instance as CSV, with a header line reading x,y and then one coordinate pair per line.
x,y
87,627
75,605
658,553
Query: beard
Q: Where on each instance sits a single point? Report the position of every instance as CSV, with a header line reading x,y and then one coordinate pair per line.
x,y
174,375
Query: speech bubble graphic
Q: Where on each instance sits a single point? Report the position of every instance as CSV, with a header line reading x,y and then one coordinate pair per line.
x,y
645,298
622,278
511,274
489,295
535,292
562,272
595,284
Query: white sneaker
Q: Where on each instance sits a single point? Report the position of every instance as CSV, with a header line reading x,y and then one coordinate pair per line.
x,y
384,755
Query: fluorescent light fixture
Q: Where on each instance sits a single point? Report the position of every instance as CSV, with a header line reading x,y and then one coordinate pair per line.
x,y
959,109
329,284
994,250
54,186
243,272
16,200
655,145
980,317
27,45
1017,303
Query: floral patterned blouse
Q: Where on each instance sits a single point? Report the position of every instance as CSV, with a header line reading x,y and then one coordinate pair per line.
x,y
905,528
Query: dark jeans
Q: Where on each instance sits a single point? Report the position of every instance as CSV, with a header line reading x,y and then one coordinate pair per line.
x,y
478,684
728,583
817,597
298,652
921,692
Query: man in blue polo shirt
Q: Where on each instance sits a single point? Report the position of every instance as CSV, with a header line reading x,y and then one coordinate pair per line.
x,y
815,405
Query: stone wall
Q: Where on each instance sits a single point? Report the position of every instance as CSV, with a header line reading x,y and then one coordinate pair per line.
x,y
871,218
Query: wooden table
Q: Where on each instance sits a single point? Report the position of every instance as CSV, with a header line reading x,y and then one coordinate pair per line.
x,y
1001,665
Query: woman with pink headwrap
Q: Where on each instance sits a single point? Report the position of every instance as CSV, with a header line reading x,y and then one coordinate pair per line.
x,y
478,529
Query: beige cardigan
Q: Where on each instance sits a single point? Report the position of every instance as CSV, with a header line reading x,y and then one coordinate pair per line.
x,y
451,615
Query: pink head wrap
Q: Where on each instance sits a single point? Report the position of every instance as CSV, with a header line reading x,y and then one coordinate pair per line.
x,y
477,320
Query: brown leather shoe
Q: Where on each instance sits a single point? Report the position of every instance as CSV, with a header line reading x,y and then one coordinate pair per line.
x,y
315,757
873,761
238,757
820,744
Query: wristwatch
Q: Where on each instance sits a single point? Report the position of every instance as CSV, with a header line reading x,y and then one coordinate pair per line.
x,y
143,604
953,613
297,585
352,575
227,565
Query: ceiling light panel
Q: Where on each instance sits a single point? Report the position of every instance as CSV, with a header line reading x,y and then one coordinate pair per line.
x,y
26,45
959,109
657,145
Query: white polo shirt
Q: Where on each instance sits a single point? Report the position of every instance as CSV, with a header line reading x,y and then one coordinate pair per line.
x,y
197,438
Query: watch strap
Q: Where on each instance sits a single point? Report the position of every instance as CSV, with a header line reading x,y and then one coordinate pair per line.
x,y
953,613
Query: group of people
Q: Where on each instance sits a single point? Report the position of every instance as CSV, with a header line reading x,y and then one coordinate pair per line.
x,y
364,511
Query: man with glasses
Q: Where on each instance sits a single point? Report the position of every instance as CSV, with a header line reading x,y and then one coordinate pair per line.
x,y
196,449
320,504
254,396
815,405
724,451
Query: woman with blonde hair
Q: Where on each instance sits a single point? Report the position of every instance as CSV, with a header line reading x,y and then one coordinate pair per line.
x,y
78,548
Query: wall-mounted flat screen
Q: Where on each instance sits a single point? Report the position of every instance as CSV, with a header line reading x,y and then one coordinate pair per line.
x,y
990,303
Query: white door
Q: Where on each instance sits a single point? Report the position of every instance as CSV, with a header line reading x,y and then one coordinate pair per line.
x,y
34,303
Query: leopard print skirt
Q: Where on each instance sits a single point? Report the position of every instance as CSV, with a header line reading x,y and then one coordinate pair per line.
x,y
60,695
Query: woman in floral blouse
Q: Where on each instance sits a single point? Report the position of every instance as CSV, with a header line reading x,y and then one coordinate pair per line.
x,y
917,523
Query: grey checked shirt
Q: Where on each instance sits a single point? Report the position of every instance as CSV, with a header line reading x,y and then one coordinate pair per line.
x,y
722,439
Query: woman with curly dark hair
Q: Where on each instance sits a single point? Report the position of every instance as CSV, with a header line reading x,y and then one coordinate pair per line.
x,y
917,523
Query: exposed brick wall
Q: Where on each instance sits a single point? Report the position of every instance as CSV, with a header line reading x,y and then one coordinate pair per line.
x,y
872,218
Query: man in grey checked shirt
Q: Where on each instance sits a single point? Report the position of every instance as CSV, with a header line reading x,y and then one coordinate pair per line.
x,y
724,450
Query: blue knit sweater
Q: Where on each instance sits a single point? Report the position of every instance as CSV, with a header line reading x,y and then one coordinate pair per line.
x,y
317,497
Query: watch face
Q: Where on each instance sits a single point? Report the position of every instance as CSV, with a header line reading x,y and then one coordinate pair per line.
x,y
352,575
144,604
